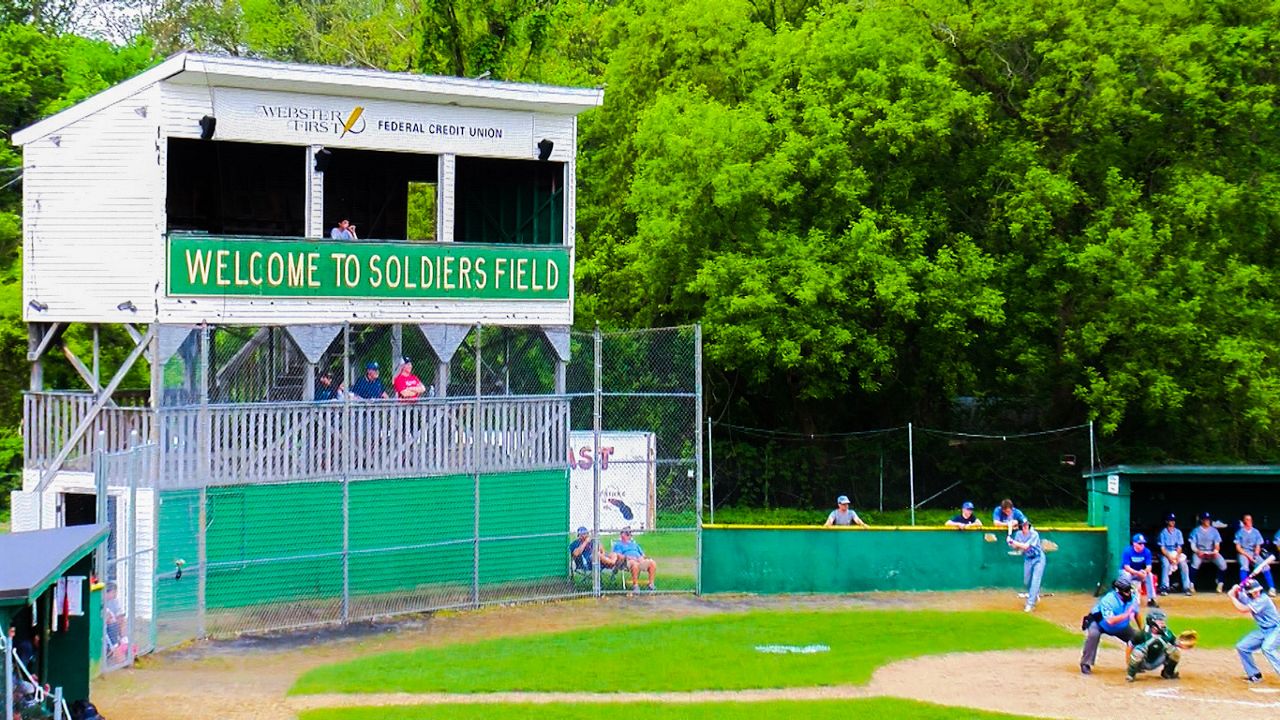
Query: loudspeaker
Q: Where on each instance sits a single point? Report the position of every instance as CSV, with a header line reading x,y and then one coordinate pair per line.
x,y
207,125
544,148
323,157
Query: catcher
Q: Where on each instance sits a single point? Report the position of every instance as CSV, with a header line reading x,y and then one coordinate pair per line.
x,y
1155,646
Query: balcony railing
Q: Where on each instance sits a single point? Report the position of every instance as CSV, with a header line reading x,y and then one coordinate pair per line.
x,y
266,442
50,418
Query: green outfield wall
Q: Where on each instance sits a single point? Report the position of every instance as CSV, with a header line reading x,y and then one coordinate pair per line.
x,y
776,559
285,542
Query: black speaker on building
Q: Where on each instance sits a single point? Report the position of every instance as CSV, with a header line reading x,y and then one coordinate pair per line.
x,y
544,148
323,158
208,124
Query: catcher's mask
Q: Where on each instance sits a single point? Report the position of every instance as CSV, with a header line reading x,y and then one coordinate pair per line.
x,y
1157,619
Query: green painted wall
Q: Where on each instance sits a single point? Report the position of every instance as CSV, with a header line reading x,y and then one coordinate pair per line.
x,y
821,560
284,543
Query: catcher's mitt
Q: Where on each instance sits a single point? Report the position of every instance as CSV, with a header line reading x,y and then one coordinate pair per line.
x,y
1187,639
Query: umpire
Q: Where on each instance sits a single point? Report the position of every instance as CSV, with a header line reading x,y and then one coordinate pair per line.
x,y
1113,615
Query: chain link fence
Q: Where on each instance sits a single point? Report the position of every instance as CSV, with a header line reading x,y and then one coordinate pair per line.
x,y
268,503
903,468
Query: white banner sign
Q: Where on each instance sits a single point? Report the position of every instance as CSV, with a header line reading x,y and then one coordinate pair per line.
x,y
628,473
294,119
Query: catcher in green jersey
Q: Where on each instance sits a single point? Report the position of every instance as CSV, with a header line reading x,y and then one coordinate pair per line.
x,y
1156,646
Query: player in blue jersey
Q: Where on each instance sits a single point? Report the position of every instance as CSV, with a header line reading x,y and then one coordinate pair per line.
x,y
1206,546
1248,597
1249,552
1170,543
1135,566
1027,540
1113,615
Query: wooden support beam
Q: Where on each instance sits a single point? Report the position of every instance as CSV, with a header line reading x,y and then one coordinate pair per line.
x,y
85,373
92,415
49,334
137,339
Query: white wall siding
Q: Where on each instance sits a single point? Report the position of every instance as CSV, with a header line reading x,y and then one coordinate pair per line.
x,y
89,226
559,129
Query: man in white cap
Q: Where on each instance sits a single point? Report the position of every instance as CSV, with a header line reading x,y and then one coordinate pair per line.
x,y
842,515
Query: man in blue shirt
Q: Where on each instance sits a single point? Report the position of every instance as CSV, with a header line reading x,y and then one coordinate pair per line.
x,y
1248,597
369,387
585,552
1170,542
1206,546
637,561
1249,552
1135,566
1006,515
966,519
1112,615
1028,541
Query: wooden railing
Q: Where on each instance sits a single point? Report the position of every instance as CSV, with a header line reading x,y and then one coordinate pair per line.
x,y
292,441
49,418
264,442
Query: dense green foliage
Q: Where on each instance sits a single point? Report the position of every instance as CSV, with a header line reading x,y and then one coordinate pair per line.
x,y
1049,211
778,710
720,652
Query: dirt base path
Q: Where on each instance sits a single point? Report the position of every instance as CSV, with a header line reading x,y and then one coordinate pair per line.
x,y
248,679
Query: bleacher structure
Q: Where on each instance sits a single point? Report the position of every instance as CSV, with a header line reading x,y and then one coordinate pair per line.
x,y
191,210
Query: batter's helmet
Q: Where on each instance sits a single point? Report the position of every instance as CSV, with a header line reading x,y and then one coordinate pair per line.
x,y
1252,586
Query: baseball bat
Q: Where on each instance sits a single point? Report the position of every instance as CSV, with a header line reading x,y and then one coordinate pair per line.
x,y
1262,565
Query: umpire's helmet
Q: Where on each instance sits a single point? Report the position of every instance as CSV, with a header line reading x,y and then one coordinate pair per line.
x,y
1123,587
1252,586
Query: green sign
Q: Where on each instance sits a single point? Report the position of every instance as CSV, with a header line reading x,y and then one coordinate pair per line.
x,y
205,266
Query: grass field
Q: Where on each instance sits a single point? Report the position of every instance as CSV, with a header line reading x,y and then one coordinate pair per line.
x,y
864,707
706,653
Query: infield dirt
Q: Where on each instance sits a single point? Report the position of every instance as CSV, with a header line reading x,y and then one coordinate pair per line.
x,y
248,678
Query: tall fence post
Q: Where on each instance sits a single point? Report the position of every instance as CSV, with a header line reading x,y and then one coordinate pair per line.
x,y
697,385
597,410
477,435
347,460
1093,465
711,472
911,469
131,615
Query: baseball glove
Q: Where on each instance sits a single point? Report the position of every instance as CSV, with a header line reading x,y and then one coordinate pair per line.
x,y
1187,639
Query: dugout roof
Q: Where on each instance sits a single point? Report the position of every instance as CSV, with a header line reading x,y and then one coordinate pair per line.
x,y
35,560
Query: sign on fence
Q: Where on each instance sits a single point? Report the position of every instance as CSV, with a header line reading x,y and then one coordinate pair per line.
x,y
628,480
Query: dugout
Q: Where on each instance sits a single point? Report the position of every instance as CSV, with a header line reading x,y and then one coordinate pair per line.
x,y
66,636
1127,499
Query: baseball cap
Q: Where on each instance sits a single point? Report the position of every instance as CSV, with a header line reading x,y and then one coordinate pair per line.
x,y
1205,516
1140,539
842,500
582,530
371,365
626,530
967,505
1169,517
406,359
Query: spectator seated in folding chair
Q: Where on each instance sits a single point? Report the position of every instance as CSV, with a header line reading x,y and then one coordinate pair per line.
x,y
117,642
584,550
